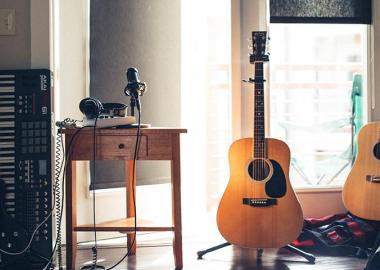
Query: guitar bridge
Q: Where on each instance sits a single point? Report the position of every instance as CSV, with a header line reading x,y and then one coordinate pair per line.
x,y
259,202
373,178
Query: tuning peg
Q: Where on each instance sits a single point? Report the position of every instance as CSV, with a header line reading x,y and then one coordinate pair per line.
x,y
250,80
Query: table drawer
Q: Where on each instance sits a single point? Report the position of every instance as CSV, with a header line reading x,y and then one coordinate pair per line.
x,y
119,147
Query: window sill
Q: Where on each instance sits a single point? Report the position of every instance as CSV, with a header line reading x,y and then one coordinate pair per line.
x,y
321,189
108,192
111,192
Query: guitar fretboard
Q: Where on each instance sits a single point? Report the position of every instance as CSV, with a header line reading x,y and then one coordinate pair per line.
x,y
259,150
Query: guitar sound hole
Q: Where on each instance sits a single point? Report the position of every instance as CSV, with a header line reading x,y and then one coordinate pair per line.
x,y
258,169
376,151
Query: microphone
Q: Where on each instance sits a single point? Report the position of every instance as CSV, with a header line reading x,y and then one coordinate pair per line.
x,y
134,87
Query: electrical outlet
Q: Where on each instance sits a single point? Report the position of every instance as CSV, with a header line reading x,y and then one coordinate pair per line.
x,y
7,22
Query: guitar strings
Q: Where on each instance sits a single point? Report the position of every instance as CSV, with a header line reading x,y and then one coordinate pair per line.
x,y
377,150
259,118
257,174
253,141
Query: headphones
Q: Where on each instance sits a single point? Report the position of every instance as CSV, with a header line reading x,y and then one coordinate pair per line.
x,y
93,108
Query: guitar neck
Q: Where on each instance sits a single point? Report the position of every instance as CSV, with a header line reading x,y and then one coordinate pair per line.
x,y
259,149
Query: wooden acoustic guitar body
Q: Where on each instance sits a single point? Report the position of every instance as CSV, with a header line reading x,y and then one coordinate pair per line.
x,y
249,224
361,192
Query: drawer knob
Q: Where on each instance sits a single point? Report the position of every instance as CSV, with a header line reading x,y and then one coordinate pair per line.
x,y
121,146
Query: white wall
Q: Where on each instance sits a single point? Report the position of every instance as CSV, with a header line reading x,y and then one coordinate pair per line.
x,y
40,43
30,47
15,50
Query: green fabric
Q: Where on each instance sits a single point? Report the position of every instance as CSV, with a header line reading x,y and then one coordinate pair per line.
x,y
330,167
357,108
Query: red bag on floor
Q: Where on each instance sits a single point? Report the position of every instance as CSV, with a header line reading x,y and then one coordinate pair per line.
x,y
341,234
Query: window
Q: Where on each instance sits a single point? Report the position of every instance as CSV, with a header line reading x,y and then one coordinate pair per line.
x,y
313,68
206,100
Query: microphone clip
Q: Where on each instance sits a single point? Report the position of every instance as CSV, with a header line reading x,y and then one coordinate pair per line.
x,y
134,89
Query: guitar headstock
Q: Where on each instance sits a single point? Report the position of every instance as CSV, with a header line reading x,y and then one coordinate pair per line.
x,y
259,42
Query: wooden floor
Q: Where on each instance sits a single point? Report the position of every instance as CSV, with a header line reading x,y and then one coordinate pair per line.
x,y
228,258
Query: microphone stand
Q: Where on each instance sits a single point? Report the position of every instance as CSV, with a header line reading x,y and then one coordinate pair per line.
x,y
134,102
132,105
309,257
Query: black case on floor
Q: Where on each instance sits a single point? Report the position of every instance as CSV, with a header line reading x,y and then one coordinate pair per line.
x,y
374,259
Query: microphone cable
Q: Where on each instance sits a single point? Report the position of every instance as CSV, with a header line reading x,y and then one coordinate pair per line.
x,y
135,156
60,170
49,215
63,171
95,247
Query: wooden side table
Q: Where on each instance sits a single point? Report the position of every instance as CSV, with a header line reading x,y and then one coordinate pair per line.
x,y
119,144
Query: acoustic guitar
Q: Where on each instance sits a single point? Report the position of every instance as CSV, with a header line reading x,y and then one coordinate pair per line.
x,y
361,191
259,208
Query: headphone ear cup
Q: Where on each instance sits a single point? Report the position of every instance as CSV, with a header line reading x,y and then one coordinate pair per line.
x,y
91,107
82,105
100,106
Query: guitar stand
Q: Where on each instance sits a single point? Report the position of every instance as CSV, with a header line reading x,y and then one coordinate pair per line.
x,y
309,257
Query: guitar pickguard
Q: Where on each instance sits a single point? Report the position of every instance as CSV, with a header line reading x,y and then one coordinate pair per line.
x,y
275,187
268,171
376,151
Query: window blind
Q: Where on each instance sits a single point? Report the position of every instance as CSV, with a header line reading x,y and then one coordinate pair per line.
x,y
321,11
125,34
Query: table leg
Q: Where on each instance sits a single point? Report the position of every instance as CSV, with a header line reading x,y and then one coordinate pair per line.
x,y
71,215
131,190
176,201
